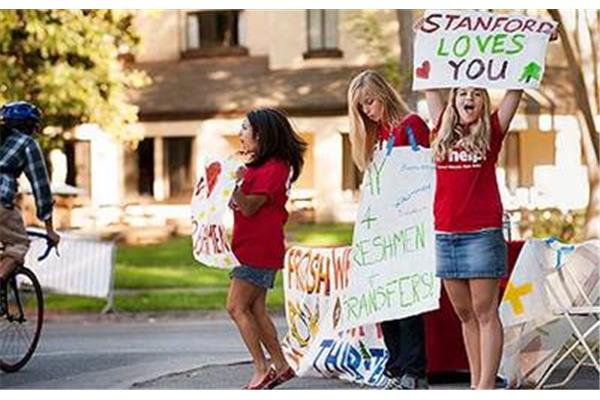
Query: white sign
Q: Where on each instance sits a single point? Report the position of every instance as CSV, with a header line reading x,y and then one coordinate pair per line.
x,y
210,200
393,248
314,280
454,48
534,330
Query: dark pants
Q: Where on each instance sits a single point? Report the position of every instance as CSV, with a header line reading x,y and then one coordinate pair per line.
x,y
405,341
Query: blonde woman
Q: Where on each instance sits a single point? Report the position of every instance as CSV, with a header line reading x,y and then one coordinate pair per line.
x,y
377,113
470,247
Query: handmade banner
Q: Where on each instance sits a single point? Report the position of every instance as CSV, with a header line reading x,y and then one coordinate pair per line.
x,y
314,281
524,298
454,48
393,247
533,328
210,200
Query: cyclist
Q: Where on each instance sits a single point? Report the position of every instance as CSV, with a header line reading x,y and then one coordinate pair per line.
x,y
19,153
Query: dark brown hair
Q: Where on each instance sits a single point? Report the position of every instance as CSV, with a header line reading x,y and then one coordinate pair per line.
x,y
276,139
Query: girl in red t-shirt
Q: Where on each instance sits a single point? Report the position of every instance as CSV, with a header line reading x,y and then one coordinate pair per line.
x,y
377,112
275,151
470,247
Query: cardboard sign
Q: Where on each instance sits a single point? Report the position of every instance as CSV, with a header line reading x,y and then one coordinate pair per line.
x,y
393,248
534,330
314,280
335,297
458,49
210,200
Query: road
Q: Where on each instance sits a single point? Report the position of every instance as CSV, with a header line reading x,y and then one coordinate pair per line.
x,y
167,352
101,354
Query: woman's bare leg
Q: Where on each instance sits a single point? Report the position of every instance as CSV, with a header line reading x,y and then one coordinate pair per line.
x,y
241,299
485,294
268,333
459,294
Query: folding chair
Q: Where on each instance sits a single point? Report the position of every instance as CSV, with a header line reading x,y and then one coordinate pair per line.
x,y
574,292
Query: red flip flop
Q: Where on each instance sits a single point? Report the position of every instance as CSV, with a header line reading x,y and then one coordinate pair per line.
x,y
282,378
266,380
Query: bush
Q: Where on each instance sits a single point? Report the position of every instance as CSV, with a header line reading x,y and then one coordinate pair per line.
x,y
568,227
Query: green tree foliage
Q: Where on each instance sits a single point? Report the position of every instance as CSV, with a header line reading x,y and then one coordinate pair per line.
x,y
568,227
366,29
69,63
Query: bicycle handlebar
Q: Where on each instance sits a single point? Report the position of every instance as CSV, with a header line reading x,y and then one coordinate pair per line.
x,y
49,244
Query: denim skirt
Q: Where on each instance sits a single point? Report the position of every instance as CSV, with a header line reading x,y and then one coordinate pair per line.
x,y
468,255
261,277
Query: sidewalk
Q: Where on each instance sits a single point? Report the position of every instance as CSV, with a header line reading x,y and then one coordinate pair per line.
x,y
232,370
234,376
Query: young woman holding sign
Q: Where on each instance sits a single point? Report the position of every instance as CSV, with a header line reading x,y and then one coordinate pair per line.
x,y
275,153
377,113
470,248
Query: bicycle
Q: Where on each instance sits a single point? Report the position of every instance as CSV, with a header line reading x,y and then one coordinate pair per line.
x,y
21,325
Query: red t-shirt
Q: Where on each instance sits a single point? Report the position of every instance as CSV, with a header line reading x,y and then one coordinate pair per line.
x,y
419,128
258,240
467,198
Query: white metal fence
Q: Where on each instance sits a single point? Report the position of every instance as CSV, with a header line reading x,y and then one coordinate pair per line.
x,y
85,266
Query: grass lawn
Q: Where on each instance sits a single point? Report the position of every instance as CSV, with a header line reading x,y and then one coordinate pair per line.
x,y
146,301
166,276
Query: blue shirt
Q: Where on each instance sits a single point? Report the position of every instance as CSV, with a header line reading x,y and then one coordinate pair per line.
x,y
21,153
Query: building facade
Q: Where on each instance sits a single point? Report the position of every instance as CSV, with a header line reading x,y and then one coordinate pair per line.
x,y
210,67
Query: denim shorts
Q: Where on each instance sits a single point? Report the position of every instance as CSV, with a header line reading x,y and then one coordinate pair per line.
x,y
261,277
468,255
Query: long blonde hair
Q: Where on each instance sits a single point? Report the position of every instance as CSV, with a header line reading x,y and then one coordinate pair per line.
x,y
452,133
363,131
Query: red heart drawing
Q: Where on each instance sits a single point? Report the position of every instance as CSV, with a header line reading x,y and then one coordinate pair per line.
x,y
212,173
423,70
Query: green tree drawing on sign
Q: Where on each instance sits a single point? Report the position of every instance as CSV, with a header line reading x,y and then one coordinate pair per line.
x,y
531,71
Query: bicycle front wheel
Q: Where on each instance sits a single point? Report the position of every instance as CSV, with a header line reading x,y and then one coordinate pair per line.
x,y
21,327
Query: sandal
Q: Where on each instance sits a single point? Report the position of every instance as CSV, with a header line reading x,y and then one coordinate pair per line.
x,y
282,378
270,376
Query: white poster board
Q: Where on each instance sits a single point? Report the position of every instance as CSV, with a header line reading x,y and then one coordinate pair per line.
x,y
393,247
314,280
534,329
455,48
210,201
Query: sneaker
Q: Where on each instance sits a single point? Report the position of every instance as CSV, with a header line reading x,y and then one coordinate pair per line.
x,y
412,382
393,383
407,382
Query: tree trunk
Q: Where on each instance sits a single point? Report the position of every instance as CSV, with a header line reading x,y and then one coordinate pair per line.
x,y
594,41
588,127
592,214
406,39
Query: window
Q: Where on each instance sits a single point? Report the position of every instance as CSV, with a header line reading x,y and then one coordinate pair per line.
x,y
322,34
213,33
145,167
178,168
352,176
523,151
138,170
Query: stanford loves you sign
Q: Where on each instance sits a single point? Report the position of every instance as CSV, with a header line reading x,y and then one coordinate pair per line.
x,y
454,48
209,205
